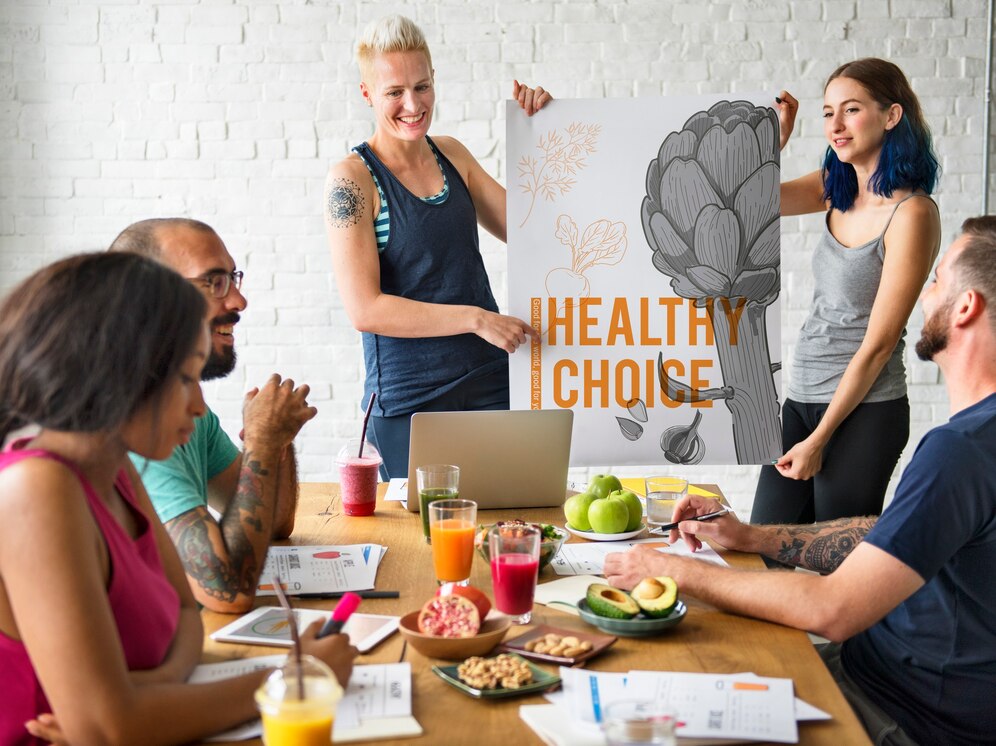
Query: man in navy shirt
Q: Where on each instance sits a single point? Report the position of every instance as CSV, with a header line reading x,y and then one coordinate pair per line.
x,y
910,595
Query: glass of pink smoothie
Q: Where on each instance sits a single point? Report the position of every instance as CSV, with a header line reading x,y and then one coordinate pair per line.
x,y
358,477
514,569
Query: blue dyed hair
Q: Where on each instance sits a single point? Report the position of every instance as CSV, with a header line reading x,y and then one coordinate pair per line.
x,y
907,159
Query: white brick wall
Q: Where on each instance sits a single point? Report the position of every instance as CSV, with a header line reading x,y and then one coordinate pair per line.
x,y
231,113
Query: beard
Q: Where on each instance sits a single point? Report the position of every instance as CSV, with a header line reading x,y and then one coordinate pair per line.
x,y
220,364
934,335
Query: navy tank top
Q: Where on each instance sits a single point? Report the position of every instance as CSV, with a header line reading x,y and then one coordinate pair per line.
x,y
432,255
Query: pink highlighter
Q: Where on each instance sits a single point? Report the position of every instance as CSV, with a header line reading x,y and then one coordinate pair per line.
x,y
340,615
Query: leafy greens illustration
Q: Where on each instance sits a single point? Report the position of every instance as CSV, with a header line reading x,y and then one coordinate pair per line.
x,y
563,155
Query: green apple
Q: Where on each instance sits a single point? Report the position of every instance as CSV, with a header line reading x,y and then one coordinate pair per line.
x,y
634,505
576,510
608,516
602,484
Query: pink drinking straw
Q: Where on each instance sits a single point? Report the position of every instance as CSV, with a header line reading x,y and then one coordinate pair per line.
x,y
295,638
366,420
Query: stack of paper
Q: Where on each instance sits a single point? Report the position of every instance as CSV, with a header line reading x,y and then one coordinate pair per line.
x,y
741,707
377,703
321,569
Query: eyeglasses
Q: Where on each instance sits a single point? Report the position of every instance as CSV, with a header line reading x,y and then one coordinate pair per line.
x,y
219,284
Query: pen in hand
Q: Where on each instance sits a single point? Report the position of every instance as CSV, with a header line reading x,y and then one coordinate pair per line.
x,y
340,615
703,517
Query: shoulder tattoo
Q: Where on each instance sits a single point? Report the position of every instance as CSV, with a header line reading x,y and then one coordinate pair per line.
x,y
345,203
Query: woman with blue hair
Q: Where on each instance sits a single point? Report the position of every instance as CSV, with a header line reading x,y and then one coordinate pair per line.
x,y
845,420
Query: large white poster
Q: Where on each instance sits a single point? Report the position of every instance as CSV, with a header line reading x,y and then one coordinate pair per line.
x,y
644,246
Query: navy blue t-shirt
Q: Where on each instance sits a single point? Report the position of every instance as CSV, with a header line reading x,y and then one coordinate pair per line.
x,y
931,662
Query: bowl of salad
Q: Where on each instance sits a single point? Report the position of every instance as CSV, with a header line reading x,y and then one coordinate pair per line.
x,y
553,538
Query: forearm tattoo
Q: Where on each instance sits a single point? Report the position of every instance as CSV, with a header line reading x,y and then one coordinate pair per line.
x,y
345,203
821,547
224,573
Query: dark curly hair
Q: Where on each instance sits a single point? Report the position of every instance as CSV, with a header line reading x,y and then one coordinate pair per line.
x,y
87,340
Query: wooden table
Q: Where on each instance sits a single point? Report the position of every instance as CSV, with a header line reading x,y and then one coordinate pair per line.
x,y
707,640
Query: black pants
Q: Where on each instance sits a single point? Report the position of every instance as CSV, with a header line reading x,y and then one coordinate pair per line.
x,y
392,435
857,463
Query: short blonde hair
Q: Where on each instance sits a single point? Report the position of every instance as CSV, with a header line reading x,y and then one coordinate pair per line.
x,y
389,34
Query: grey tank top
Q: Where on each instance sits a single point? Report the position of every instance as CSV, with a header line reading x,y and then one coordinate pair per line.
x,y
846,284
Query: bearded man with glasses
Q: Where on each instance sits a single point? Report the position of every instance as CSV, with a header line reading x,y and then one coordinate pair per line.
x,y
253,491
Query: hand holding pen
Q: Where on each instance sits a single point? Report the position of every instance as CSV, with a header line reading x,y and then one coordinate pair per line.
x,y
340,615
704,517
334,650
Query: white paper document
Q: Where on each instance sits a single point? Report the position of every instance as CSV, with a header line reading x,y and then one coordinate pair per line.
x,y
730,707
208,672
321,569
724,706
589,558
397,490
377,703
563,594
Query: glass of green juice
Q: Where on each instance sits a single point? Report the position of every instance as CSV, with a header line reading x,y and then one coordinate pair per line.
x,y
435,482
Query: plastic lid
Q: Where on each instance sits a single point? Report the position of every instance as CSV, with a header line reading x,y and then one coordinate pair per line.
x,y
348,453
281,686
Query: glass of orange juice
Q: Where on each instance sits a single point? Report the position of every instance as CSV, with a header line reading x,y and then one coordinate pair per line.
x,y
451,526
290,719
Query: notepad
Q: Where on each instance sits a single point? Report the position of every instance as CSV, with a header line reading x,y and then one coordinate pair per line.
x,y
639,487
377,702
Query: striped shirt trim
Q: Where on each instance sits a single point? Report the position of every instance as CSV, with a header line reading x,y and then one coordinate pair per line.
x,y
382,223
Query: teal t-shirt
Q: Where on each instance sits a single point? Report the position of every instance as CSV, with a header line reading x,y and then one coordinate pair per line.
x,y
179,483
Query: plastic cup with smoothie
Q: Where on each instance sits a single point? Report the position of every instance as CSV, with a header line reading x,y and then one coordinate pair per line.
x,y
289,720
358,477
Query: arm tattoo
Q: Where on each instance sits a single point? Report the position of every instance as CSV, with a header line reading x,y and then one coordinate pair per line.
x,y
346,203
216,576
235,571
821,547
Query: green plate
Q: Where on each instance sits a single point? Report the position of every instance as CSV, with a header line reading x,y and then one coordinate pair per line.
x,y
540,683
639,626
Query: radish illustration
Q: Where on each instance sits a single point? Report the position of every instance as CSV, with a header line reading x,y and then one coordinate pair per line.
x,y
602,243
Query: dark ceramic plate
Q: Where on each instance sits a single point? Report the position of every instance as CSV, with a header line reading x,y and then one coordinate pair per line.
x,y
639,626
540,683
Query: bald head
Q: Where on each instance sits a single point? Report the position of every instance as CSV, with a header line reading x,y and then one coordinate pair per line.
x,y
148,237
192,249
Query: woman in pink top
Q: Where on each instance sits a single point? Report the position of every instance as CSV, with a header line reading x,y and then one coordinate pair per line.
x,y
98,626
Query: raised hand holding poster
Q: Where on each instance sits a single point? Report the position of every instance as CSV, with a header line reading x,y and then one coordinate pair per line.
x,y
644,247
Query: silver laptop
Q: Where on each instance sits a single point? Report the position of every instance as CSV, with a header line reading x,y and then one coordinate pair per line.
x,y
507,459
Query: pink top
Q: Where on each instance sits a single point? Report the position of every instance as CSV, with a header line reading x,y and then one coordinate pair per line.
x,y
145,605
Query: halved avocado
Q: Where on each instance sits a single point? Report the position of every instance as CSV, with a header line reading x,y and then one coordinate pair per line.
x,y
656,597
607,601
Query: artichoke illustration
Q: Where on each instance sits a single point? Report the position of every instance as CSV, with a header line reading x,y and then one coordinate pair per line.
x,y
711,218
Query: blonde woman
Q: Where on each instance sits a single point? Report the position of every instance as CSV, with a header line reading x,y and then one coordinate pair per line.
x,y
402,213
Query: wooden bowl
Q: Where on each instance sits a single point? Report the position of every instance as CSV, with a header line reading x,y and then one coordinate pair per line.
x,y
454,648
